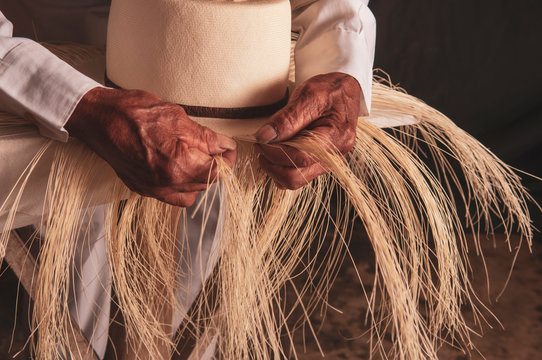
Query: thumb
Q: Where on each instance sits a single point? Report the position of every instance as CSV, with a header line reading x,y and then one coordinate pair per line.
x,y
290,120
215,143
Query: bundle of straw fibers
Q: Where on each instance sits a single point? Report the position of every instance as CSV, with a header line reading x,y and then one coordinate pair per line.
x,y
407,210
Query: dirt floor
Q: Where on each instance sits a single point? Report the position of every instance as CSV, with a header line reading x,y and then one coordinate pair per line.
x,y
343,335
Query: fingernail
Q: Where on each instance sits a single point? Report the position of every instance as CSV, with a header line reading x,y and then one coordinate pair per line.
x,y
228,144
280,186
267,133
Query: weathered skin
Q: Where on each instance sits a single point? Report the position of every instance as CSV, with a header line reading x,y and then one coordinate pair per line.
x,y
158,151
327,105
152,145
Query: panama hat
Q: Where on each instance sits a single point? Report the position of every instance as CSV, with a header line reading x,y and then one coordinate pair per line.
x,y
221,60
226,63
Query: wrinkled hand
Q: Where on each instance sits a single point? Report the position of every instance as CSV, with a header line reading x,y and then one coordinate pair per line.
x,y
326,105
152,145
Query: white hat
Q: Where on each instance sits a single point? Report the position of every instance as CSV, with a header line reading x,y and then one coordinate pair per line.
x,y
226,62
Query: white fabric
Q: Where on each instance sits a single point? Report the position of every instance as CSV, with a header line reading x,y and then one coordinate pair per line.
x,y
334,35
37,85
90,300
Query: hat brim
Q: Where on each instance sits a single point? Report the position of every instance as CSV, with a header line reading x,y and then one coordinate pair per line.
x,y
238,129
246,129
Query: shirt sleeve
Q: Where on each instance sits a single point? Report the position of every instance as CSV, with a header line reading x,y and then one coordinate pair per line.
x,y
37,85
335,36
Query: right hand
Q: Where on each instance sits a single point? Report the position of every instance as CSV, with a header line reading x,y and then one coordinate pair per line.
x,y
153,146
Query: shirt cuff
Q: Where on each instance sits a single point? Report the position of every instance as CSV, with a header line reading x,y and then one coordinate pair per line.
x,y
36,84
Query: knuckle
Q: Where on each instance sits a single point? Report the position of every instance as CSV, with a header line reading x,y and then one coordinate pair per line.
x,y
294,181
183,202
311,86
188,200
302,160
172,172
292,120
285,123
209,138
297,184
166,176
135,112
349,142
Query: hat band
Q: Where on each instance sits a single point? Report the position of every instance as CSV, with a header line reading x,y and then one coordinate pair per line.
x,y
250,112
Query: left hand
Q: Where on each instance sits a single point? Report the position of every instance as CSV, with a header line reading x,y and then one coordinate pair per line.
x,y
327,105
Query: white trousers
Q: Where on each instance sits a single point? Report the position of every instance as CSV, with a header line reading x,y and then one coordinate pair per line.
x,y
91,280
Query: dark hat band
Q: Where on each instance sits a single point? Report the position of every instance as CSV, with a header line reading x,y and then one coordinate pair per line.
x,y
226,113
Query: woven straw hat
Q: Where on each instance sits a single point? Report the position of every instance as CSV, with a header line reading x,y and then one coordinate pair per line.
x,y
225,62
228,56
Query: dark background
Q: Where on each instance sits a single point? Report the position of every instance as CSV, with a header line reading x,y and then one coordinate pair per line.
x,y
479,62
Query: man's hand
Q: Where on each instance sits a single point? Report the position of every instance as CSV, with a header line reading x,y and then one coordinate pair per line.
x,y
327,105
151,144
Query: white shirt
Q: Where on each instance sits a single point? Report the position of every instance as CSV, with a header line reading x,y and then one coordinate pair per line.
x,y
334,36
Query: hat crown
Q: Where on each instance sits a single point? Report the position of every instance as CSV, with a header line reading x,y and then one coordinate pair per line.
x,y
206,53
